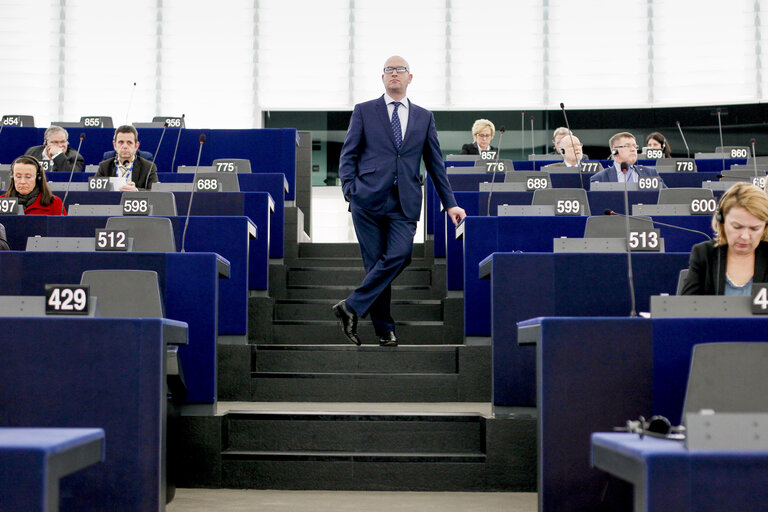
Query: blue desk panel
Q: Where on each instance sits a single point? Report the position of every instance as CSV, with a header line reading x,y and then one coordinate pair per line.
x,y
485,235
93,373
269,150
703,165
254,205
594,374
188,285
532,285
666,476
33,460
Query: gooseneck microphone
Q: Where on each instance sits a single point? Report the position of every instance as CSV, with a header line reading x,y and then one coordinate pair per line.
x,y
687,149
178,136
533,144
720,128
154,157
191,195
493,177
71,172
130,102
573,147
655,222
754,159
522,134
633,312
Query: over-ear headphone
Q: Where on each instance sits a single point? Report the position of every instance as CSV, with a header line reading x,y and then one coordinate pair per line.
x,y
28,159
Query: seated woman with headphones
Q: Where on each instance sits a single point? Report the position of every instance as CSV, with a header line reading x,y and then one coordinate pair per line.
x,y
656,140
738,256
29,185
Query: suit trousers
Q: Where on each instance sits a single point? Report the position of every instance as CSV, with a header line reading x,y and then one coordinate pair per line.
x,y
386,244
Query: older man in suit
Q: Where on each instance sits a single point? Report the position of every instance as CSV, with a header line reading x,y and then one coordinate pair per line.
x,y
379,169
55,154
624,150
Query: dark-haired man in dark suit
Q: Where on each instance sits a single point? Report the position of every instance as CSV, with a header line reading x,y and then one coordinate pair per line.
x,y
139,173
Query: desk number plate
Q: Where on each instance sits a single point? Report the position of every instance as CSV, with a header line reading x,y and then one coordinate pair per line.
x,y
66,299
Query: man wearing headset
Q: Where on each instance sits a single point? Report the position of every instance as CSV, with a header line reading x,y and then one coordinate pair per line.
x,y
571,148
54,154
624,150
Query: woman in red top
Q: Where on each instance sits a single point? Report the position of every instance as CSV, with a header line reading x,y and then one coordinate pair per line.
x,y
29,185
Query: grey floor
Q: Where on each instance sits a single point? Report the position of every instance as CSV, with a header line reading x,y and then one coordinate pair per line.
x,y
237,500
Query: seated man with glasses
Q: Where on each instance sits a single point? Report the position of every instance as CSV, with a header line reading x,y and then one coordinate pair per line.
x,y
624,149
571,148
55,155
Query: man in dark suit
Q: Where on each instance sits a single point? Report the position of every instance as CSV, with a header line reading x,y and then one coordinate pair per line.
x,y
380,175
55,154
624,150
139,173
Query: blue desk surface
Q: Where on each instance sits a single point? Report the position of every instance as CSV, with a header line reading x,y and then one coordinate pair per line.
x,y
257,206
230,241
702,164
188,285
486,235
32,460
93,373
667,476
269,150
594,374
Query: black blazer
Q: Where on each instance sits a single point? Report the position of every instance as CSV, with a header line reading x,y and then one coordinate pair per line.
x,y
144,172
473,149
706,268
61,162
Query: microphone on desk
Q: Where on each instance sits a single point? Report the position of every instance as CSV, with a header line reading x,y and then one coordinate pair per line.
x,y
157,149
71,172
655,222
493,177
189,208
720,128
570,134
533,144
522,133
181,125
754,159
687,149
633,310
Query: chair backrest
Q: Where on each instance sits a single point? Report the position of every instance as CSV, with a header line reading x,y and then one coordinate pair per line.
x,y
125,293
681,280
162,203
109,155
150,234
236,165
683,195
226,182
728,377
613,226
551,196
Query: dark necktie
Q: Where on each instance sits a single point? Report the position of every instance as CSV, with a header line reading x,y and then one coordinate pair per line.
x,y
397,131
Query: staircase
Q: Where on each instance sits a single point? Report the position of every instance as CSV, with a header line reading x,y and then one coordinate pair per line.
x,y
298,354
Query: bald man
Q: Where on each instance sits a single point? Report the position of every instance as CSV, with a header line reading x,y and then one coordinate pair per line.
x,y
380,176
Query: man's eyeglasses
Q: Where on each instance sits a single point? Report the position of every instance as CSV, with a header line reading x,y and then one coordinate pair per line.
x,y
399,69
628,146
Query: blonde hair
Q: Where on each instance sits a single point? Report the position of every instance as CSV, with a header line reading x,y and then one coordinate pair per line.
x,y
482,124
747,196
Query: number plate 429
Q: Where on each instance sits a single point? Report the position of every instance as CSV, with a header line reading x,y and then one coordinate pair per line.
x,y
66,299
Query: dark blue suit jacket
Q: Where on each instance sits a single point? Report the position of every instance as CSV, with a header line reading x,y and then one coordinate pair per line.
x,y
370,161
609,173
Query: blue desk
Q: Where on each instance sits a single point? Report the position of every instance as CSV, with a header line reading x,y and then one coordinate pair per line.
x,y
483,236
93,372
257,206
269,150
33,460
668,477
703,165
226,236
188,285
594,374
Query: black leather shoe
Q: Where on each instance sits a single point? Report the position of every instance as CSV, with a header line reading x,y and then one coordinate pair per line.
x,y
348,322
388,339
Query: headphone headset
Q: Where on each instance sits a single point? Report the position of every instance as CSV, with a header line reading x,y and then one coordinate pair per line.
x,y
562,150
615,152
34,161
